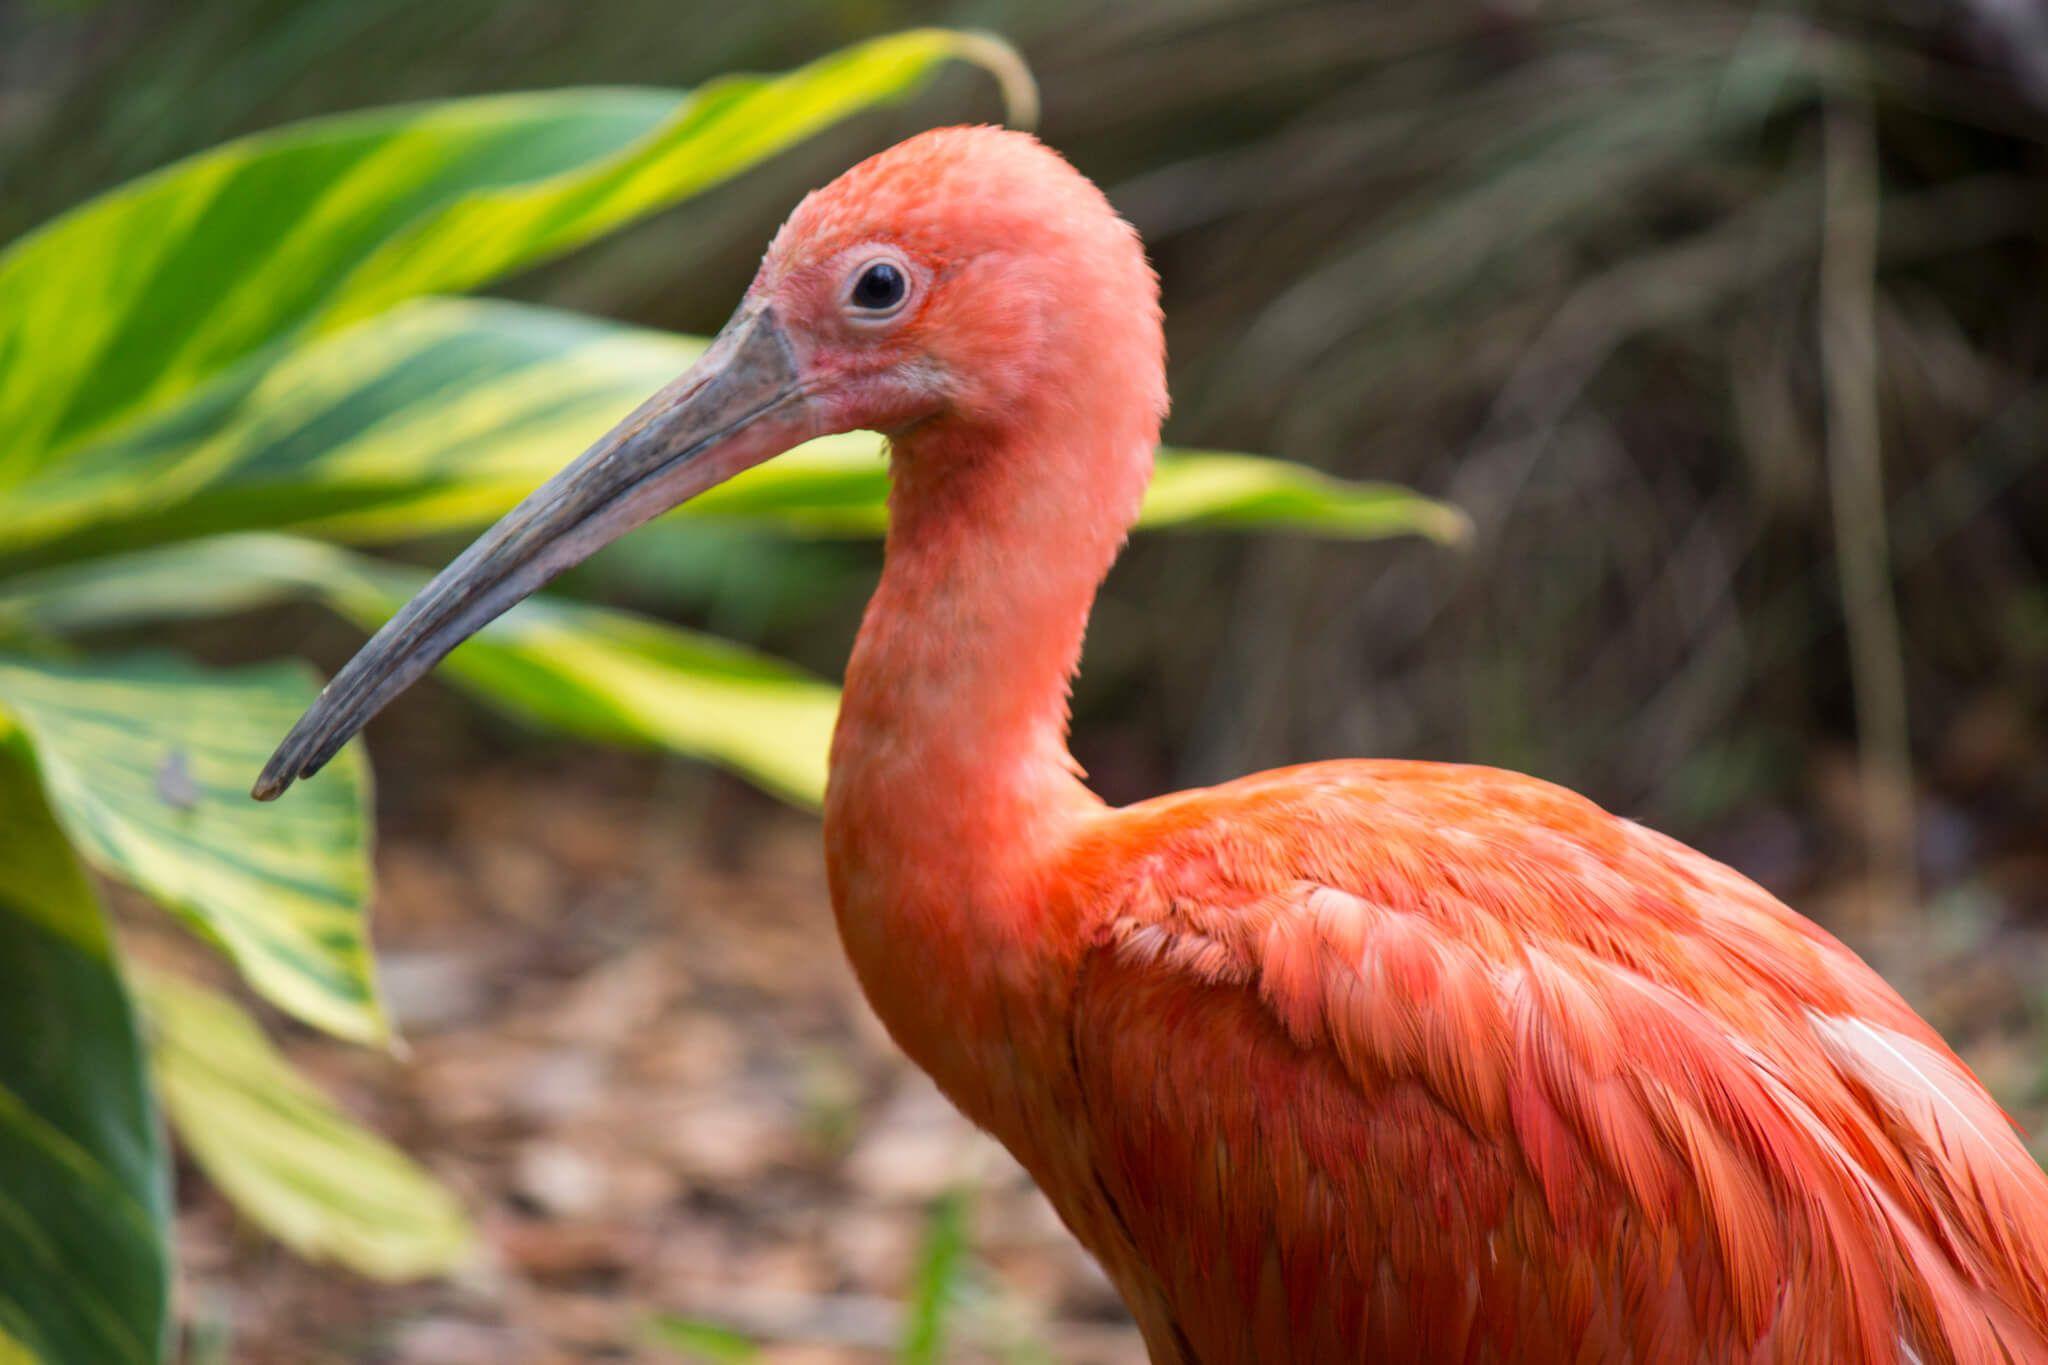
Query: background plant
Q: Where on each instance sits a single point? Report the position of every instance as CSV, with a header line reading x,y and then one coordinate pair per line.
x,y
220,379
1559,261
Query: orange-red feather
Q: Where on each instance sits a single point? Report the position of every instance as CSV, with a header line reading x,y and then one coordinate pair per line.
x,y
1490,1074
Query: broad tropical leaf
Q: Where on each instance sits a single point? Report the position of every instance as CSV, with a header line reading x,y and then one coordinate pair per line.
x,y
586,670
289,1160
150,291
146,760
84,1268
191,580
445,412
615,676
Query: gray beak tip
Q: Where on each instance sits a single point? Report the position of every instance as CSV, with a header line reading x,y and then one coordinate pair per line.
x,y
291,762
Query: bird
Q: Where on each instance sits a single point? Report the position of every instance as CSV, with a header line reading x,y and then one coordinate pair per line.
x,y
1370,1060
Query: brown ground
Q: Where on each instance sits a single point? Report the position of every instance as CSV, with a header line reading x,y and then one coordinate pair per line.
x,y
639,1056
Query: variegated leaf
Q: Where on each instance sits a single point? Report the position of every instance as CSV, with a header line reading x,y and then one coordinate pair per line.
x,y
445,412
149,292
84,1268
146,759
292,1162
586,670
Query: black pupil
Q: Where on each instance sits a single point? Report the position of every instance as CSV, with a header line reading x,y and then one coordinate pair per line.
x,y
879,286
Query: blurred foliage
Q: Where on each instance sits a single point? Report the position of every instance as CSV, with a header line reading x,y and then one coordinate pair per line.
x,y
1557,261
129,326
566,665
305,1172
1563,265
241,343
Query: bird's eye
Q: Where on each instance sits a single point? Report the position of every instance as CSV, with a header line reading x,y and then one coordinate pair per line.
x,y
880,287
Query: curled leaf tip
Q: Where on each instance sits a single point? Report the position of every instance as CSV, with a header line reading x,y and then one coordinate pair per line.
x,y
1019,88
1452,526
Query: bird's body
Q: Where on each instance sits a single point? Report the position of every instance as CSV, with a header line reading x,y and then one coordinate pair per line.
x,y
1364,1061
1394,1062
1415,1062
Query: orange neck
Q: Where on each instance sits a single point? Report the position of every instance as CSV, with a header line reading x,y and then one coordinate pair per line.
x,y
952,735
951,784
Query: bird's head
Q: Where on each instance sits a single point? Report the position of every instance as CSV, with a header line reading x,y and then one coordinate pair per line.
x,y
964,274
967,279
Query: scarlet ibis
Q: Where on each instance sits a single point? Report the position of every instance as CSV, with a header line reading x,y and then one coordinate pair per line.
x,y
1361,1060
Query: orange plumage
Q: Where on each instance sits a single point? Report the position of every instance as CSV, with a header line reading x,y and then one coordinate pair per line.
x,y
1357,1061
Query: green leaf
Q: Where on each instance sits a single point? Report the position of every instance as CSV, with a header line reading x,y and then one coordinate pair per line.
x,y
626,679
294,1164
585,670
1244,492
442,413
192,580
147,759
84,1268
445,412
151,290
941,1267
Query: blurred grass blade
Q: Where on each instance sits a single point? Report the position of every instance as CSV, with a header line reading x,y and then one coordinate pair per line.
x,y
84,1266
1543,167
941,1268
585,670
290,1161
696,1339
146,759
147,292
445,412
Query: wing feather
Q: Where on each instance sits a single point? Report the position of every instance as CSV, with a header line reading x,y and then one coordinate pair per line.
x,y
1513,1079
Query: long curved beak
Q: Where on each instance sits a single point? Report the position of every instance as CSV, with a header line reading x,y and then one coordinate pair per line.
x,y
741,403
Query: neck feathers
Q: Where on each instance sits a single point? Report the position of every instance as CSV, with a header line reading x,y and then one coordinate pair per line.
x,y
954,724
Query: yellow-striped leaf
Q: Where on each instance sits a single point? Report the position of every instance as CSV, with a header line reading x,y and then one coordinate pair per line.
x,y
627,679
585,670
1244,492
146,759
84,1269
445,412
295,1165
148,292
